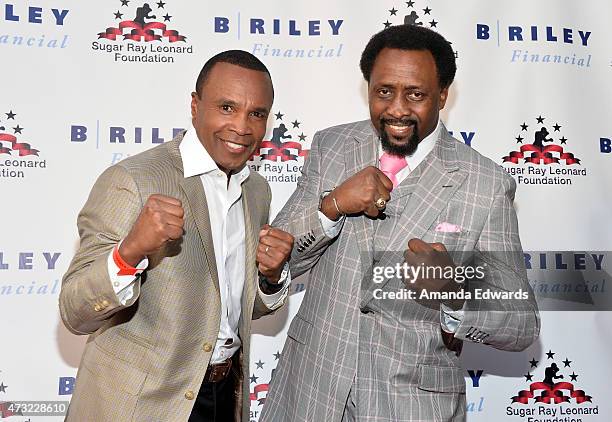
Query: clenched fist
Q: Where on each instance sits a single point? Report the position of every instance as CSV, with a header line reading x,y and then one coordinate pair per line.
x,y
358,194
160,221
273,252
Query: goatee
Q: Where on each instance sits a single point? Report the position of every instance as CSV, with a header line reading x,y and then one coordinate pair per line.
x,y
404,149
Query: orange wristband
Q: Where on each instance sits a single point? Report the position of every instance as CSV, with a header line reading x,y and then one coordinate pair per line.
x,y
124,267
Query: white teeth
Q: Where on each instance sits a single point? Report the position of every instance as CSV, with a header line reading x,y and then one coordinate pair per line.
x,y
394,127
234,146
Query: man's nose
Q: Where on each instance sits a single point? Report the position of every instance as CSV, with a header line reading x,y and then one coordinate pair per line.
x,y
241,125
399,107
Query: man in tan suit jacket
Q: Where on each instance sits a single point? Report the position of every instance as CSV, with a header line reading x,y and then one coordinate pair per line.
x,y
169,272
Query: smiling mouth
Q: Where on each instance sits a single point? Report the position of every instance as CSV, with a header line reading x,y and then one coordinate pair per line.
x,y
233,146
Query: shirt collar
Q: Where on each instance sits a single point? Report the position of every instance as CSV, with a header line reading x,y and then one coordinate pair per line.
x,y
197,160
423,149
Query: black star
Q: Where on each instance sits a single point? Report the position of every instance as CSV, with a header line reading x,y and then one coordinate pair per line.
x,y
550,354
524,126
410,4
528,377
18,129
277,355
302,137
557,127
540,119
10,115
167,17
259,364
295,123
118,15
427,10
433,24
519,139
387,24
393,11
566,362
279,116
533,362
160,4
574,377
253,378
3,387
124,2
563,140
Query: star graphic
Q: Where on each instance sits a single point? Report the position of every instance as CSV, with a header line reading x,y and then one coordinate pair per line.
x,y
259,364
124,2
18,129
295,123
574,377
550,354
3,387
433,24
528,377
524,126
277,355
387,24
118,15
557,127
540,119
566,362
533,362
410,3
563,140
427,10
10,115
302,137
393,11
253,378
519,139
167,17
160,4
279,116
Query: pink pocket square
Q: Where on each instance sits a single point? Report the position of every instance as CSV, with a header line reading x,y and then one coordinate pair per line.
x,y
448,228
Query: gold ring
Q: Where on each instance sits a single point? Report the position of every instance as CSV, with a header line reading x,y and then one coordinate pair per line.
x,y
380,203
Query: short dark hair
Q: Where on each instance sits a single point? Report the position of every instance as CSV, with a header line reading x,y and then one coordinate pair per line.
x,y
237,57
411,37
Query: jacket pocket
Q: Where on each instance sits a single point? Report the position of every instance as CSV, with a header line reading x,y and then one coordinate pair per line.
x,y
441,379
300,330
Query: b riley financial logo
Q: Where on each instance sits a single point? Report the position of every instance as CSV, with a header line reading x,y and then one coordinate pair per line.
x,y
142,32
413,13
558,397
280,157
22,26
539,44
543,157
17,157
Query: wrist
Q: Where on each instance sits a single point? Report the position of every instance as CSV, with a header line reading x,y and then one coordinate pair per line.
x,y
268,286
129,254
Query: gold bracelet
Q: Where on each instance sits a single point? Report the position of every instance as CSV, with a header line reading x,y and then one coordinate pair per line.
x,y
337,208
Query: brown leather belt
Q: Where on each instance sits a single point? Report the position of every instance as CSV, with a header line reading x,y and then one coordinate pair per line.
x,y
218,371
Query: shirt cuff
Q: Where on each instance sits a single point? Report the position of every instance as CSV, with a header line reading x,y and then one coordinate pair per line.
x,y
331,228
123,284
273,299
450,319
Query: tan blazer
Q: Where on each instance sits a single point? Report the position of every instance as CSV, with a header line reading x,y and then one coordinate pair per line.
x,y
145,360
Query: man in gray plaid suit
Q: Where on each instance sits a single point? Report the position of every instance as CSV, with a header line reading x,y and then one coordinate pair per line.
x,y
397,188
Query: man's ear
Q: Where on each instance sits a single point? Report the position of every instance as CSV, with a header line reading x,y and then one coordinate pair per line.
x,y
443,97
194,104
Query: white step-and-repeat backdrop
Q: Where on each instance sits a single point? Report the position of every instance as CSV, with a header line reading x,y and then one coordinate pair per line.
x,y
76,96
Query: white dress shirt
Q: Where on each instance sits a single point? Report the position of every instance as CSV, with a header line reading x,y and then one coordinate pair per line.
x,y
449,318
226,216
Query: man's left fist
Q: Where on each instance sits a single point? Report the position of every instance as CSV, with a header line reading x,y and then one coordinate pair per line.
x,y
273,252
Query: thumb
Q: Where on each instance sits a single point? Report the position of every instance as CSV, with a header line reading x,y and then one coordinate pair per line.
x,y
439,247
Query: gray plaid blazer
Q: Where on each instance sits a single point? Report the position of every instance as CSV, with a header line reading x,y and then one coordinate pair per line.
x,y
350,357
143,359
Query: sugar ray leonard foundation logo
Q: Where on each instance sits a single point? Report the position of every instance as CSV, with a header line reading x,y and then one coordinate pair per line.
x,y
540,159
559,394
280,158
142,34
17,157
413,13
264,370
539,44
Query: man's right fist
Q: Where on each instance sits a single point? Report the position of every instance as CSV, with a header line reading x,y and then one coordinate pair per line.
x,y
160,221
358,194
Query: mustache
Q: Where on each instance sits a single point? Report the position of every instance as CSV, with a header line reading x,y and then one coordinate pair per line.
x,y
398,122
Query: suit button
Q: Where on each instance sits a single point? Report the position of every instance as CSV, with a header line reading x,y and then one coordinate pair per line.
x,y
207,347
97,308
105,303
189,395
366,311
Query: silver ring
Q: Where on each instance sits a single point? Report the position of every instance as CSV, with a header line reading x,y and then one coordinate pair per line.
x,y
380,204
267,249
